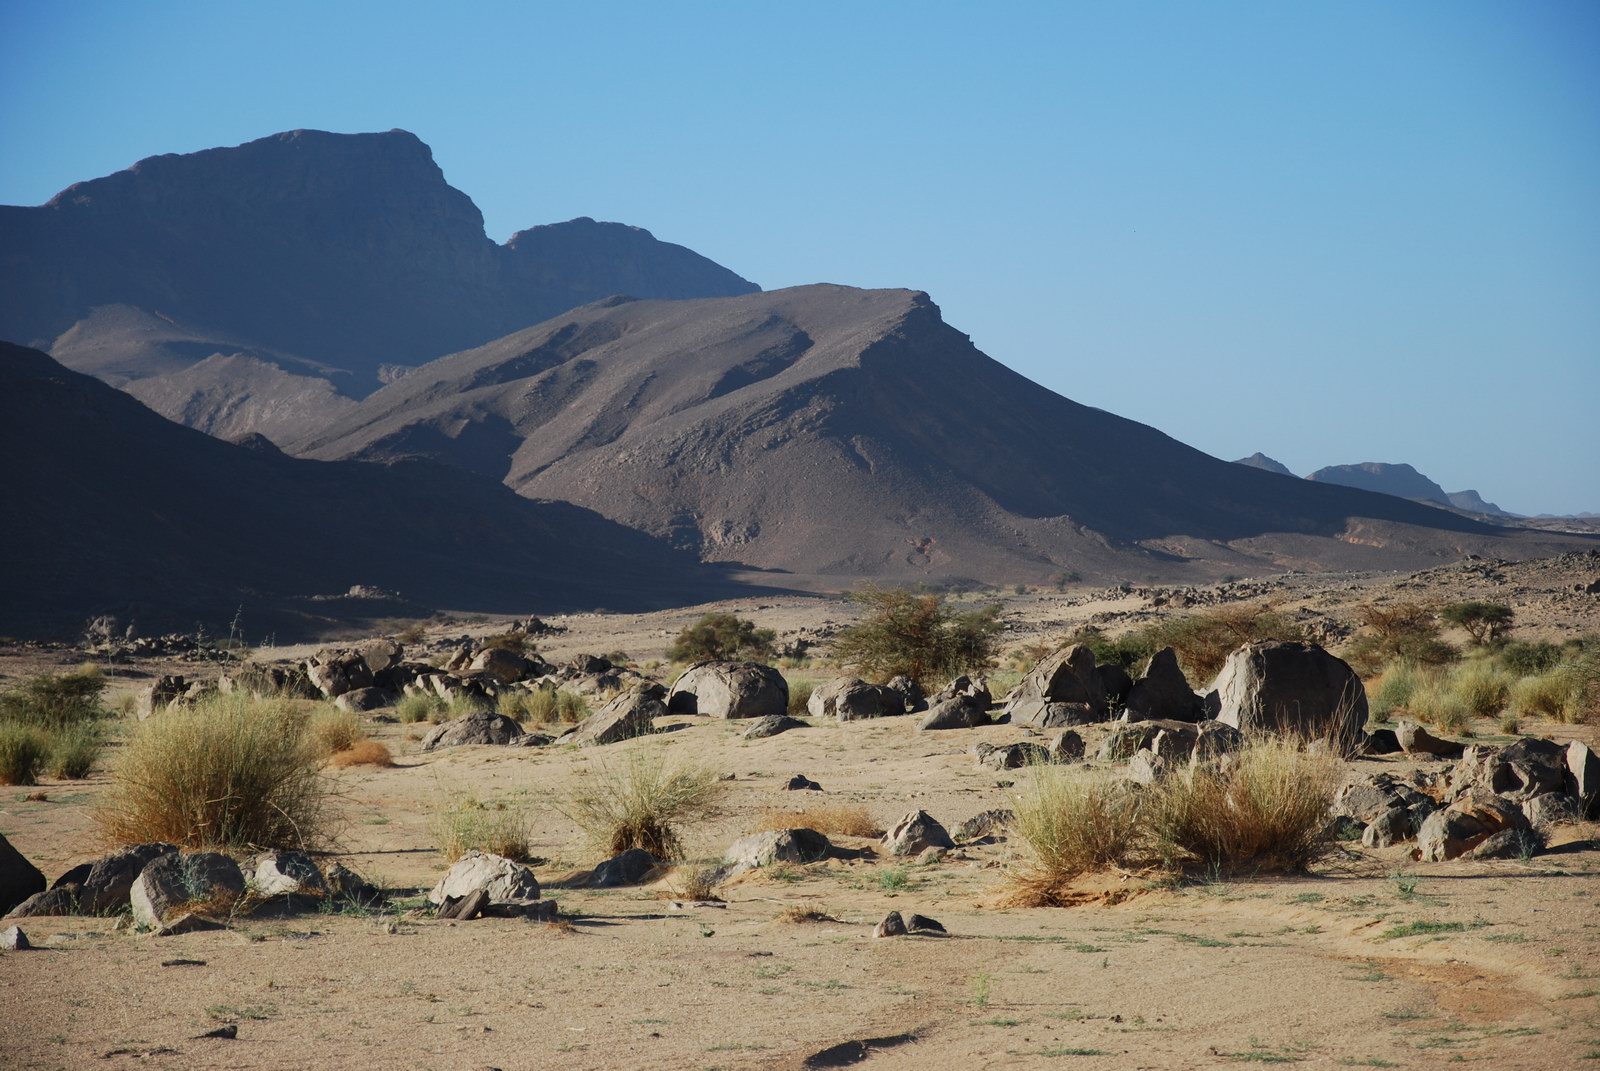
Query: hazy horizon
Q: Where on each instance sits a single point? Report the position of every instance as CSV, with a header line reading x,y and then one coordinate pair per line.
x,y
1330,234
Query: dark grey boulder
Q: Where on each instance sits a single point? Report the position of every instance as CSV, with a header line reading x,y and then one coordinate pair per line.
x,y
1415,740
963,686
729,690
624,717
19,879
1162,691
1116,682
1519,771
801,783
111,878
1507,844
797,845
1013,756
628,868
1064,689
204,883
1465,824
61,900
957,712
478,727
772,725
1387,828
915,832
1293,688
910,692
362,700
1550,810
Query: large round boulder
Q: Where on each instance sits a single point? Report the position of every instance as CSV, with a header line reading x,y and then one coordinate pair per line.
x,y
19,879
1292,688
1064,689
1162,691
729,690
479,727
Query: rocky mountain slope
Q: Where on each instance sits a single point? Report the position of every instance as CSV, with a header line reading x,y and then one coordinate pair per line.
x,y
111,508
338,257
1401,480
835,433
1261,461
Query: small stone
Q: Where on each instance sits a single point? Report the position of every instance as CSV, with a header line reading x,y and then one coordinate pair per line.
x,y
930,856
12,939
891,926
801,783
923,924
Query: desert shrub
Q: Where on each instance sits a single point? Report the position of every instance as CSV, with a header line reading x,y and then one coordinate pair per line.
x,y
799,696
721,636
1483,688
1404,632
332,730
466,823
232,772
1541,696
1509,723
918,635
1435,701
544,706
418,707
1569,693
411,634
700,883
1393,691
1073,821
53,700
1267,810
1485,622
641,803
841,819
363,753
1204,641
1131,650
74,749
516,642
23,751
1525,658
460,706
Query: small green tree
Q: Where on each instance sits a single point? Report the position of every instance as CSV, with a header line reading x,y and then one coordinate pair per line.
x,y
917,634
721,636
1485,622
1403,632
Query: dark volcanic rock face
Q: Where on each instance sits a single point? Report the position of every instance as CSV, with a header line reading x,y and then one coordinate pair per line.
x,y
836,432
330,255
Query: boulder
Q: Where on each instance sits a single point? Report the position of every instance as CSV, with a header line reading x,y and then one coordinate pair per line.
x,y
891,926
361,700
772,725
1162,691
628,868
1292,688
915,832
1117,684
499,878
1365,798
1012,756
380,654
1550,810
631,714
12,939
1214,739
287,873
1064,689
265,679
851,698
1146,767
729,690
1066,747
1381,742
801,783
963,687
1507,844
1173,740
984,824
1388,827
589,665
1583,778
19,879
61,900
328,679
111,878
502,666
346,885
1519,771
160,694
1465,824
479,727
1415,740
958,712
910,692
187,883
775,846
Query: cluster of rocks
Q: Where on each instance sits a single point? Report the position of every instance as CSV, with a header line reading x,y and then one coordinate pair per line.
x,y
169,890
482,884
1493,802
109,640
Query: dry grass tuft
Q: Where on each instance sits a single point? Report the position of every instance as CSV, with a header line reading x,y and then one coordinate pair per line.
x,y
363,753
641,803
233,772
1073,821
332,730
803,913
1265,810
844,820
467,823
699,884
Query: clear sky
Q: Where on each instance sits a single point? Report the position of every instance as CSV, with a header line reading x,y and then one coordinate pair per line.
x,y
1333,232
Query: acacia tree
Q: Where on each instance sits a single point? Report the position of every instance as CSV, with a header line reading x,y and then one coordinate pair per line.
x,y
1485,622
918,635
721,636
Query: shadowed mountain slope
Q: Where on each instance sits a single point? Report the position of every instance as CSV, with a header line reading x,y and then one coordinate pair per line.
x,y
1261,461
837,433
110,508
1401,480
327,255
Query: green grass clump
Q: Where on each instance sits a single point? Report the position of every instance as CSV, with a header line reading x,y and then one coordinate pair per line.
x,y
1073,821
74,749
1434,701
1483,688
642,803
418,706
544,706
231,772
1568,693
51,701
1393,690
467,823
23,750
799,696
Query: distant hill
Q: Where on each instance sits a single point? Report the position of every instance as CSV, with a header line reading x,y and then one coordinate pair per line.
x,y
834,433
110,508
1402,481
1473,502
1261,461
308,254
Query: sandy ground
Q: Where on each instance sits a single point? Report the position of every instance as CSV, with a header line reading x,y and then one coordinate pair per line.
x,y
1506,971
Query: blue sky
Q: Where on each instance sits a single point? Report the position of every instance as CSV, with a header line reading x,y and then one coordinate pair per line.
x,y
1333,232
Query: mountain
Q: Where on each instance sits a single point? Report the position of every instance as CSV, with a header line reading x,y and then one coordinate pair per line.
x,y
1261,461
111,508
1473,502
834,433
1403,481
338,257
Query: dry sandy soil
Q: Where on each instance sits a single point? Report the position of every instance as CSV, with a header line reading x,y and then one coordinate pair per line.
x,y
1372,960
